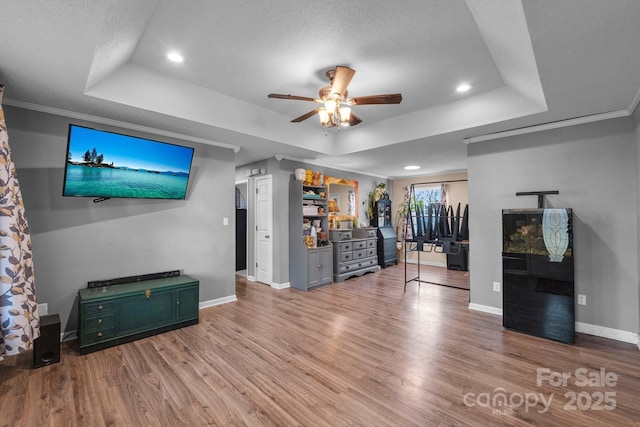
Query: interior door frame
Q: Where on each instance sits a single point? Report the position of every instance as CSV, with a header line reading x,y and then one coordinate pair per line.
x,y
248,200
255,231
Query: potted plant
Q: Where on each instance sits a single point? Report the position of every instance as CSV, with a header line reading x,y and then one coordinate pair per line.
x,y
380,192
409,204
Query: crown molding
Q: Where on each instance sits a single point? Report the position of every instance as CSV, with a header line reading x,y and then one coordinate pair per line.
x,y
634,102
551,125
116,123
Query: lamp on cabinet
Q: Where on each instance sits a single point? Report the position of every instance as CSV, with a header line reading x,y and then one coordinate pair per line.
x,y
333,209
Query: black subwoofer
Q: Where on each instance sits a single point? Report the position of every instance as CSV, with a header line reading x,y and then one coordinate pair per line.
x,y
46,348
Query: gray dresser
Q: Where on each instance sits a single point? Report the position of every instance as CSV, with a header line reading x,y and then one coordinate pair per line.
x,y
354,252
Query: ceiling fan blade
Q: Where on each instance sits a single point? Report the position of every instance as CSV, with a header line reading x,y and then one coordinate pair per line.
x,y
306,116
293,97
392,98
354,119
341,80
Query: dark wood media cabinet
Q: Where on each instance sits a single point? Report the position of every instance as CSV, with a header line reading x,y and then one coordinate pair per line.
x,y
113,315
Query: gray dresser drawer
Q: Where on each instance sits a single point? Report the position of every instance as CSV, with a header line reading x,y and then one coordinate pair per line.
x,y
345,246
371,243
362,253
372,252
357,265
346,256
363,233
339,235
359,244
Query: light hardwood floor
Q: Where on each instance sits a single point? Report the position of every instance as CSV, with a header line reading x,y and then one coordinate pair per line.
x,y
360,352
435,275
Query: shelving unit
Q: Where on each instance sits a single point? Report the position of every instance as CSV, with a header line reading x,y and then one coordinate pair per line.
x,y
308,267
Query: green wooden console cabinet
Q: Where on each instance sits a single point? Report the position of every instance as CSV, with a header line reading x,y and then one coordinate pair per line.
x,y
112,315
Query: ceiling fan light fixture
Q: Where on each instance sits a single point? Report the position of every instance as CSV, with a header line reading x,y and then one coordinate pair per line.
x,y
330,104
324,116
345,114
335,106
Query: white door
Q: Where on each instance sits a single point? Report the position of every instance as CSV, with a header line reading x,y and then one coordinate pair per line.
x,y
264,228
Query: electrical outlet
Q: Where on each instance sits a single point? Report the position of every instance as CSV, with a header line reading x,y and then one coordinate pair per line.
x,y
496,286
582,299
225,221
43,309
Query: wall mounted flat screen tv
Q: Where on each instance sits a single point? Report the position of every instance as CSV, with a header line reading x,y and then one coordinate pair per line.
x,y
106,164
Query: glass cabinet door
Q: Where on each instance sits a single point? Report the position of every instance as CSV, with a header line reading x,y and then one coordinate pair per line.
x,y
383,213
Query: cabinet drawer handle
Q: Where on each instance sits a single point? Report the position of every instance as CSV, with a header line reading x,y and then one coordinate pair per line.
x,y
99,334
177,302
99,321
147,293
100,307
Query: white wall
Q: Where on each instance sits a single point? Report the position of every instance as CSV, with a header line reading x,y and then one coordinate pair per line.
x,y
75,240
593,166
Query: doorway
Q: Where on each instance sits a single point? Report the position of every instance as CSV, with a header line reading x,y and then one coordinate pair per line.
x,y
241,228
264,229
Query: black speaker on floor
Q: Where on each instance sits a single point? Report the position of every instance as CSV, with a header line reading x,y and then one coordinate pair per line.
x,y
46,348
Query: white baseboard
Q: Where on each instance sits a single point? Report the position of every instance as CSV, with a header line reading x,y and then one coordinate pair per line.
x,y
604,332
217,301
274,285
281,285
69,336
485,309
583,328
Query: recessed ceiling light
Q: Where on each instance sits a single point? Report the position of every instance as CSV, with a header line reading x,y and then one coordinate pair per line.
x,y
464,87
175,57
411,167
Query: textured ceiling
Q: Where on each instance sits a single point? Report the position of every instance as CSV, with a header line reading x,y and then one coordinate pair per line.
x,y
530,62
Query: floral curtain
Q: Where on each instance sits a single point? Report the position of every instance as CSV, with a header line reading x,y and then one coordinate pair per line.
x,y
19,319
405,212
351,203
444,199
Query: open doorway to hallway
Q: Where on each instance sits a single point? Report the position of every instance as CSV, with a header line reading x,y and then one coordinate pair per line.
x,y
241,228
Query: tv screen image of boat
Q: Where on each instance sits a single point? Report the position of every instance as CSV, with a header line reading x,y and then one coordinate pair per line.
x,y
107,164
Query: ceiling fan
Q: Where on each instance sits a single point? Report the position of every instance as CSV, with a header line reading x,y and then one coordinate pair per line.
x,y
336,109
